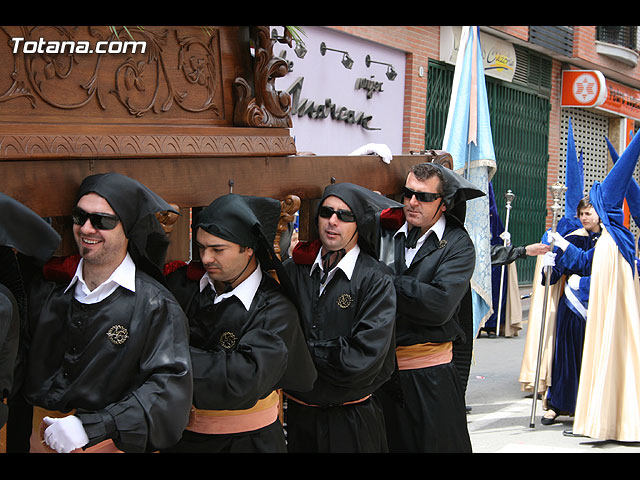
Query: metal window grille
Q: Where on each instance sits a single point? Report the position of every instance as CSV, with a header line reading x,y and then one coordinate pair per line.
x,y
624,36
520,129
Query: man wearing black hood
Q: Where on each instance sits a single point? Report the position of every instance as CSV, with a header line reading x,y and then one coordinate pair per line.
x,y
348,308
433,258
23,231
108,366
245,334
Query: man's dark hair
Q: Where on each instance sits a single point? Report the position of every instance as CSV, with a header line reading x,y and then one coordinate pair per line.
x,y
583,203
424,171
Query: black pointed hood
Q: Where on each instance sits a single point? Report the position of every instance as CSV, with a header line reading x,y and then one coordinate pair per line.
x,y
24,230
136,205
457,191
241,219
251,222
21,228
366,206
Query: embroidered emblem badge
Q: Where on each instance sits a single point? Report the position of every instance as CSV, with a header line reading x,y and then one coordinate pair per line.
x,y
442,244
118,334
344,300
228,340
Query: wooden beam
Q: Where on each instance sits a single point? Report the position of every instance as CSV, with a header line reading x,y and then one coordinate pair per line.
x,y
49,187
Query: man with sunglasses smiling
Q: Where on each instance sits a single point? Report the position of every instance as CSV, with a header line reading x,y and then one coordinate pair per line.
x,y
108,366
347,304
433,258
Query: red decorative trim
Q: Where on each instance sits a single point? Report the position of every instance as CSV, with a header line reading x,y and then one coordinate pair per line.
x,y
195,271
61,269
392,218
305,253
171,267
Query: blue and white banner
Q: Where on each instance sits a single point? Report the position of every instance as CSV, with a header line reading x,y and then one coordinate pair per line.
x,y
468,139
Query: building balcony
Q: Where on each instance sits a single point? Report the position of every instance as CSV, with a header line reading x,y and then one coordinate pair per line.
x,y
618,43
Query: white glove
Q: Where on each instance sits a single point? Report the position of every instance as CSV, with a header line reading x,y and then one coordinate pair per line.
x,y
559,241
506,236
574,282
379,149
549,259
65,434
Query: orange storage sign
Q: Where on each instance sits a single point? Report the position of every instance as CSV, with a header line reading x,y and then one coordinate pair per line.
x,y
589,89
622,100
583,88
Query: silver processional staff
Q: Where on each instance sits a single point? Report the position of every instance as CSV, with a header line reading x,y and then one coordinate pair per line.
x,y
557,191
509,196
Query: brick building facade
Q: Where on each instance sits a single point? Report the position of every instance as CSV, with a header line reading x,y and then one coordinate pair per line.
x,y
612,51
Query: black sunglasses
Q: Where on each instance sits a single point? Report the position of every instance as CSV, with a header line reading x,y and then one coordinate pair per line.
x,y
101,221
420,196
344,215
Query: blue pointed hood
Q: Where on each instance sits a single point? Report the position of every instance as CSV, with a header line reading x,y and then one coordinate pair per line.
x,y
607,198
574,182
633,191
574,178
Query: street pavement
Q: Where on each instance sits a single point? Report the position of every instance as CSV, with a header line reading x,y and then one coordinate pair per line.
x,y
500,417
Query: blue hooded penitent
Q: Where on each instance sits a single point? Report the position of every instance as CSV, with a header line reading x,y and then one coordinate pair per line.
x,y
607,199
575,187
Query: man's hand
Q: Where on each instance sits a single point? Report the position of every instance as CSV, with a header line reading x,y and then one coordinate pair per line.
x,y
537,249
65,434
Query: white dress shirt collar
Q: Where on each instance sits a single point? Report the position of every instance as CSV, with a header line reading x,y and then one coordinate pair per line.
x,y
245,291
124,276
346,264
437,228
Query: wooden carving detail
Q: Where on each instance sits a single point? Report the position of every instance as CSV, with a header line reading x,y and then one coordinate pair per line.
x,y
167,219
176,69
263,106
80,146
288,208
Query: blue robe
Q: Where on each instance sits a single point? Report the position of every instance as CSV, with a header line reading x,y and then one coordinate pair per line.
x,y
570,329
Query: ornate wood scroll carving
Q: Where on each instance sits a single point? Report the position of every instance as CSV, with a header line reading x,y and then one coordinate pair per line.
x,y
288,208
81,146
264,106
176,69
175,99
168,219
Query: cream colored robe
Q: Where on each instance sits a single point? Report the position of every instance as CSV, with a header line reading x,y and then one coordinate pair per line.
x,y
530,356
608,403
513,306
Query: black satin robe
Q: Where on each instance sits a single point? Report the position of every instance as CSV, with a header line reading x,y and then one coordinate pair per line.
x,y
428,413
350,334
240,356
139,392
501,255
9,335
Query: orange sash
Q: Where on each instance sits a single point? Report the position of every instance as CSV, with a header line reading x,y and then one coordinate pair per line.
x,y
423,355
37,444
312,405
212,422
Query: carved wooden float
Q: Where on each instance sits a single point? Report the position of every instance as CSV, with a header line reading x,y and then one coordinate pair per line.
x,y
194,112
192,115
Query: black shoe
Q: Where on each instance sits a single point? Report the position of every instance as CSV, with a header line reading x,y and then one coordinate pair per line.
x,y
548,421
569,433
